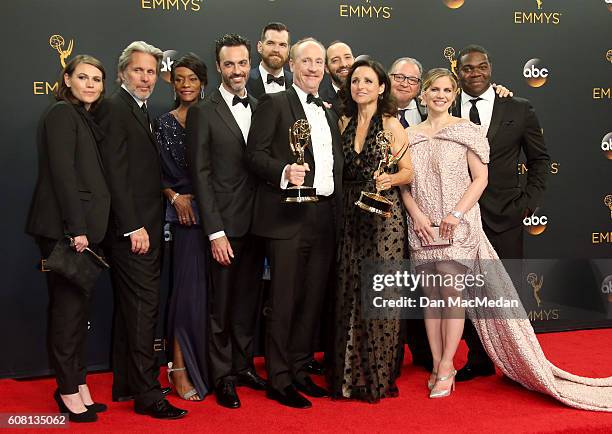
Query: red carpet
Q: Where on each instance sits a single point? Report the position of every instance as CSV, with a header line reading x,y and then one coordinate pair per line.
x,y
492,404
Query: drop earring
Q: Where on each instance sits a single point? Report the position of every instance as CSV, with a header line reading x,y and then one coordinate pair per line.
x,y
202,93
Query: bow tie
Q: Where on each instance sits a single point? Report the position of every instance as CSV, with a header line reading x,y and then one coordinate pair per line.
x,y
278,80
238,100
314,99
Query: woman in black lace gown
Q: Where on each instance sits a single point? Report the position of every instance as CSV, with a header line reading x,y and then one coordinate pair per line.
x,y
363,364
187,313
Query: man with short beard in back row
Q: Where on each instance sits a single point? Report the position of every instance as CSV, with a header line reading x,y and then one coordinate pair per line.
x,y
338,61
273,48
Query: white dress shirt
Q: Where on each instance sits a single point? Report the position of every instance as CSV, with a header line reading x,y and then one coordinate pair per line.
x,y
412,114
242,115
274,86
484,106
321,142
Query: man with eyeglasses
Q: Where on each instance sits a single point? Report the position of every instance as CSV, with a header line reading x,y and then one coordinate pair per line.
x,y
405,74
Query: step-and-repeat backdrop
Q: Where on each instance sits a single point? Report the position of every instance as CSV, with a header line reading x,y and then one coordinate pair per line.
x,y
556,53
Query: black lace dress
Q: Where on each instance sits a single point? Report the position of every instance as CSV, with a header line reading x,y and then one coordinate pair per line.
x,y
363,364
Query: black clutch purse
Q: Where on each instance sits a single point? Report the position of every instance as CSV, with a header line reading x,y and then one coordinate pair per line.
x,y
82,269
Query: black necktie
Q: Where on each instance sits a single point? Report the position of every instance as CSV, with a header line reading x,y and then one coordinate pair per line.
x,y
402,117
238,100
143,107
278,80
474,115
314,99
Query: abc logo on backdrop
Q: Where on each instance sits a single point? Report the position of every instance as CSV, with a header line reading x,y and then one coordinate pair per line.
x,y
606,146
535,224
453,4
535,73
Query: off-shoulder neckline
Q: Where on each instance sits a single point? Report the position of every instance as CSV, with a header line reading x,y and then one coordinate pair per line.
x,y
441,129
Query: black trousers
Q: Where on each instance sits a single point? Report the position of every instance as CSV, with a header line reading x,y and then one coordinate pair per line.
x,y
234,298
136,284
300,267
508,245
66,327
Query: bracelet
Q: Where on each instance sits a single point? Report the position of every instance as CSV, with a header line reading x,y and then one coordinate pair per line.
x,y
174,198
457,214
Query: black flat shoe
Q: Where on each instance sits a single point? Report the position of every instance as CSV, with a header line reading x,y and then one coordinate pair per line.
x,y
308,387
471,371
289,397
250,379
226,395
314,367
97,407
86,416
161,409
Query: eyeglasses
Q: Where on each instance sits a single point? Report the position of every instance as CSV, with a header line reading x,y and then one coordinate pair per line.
x,y
400,78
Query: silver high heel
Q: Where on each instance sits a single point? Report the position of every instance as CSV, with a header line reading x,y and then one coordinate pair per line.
x,y
446,392
187,394
431,384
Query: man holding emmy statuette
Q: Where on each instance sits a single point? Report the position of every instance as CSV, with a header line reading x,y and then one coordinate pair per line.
x,y
300,235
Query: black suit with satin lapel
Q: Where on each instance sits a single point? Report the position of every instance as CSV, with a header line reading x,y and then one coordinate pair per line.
x,y
514,127
71,198
225,191
301,238
255,86
133,170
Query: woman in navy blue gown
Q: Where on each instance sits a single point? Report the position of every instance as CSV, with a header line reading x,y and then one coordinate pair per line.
x,y
187,314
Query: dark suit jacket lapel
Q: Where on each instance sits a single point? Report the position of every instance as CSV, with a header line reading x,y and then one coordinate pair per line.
x,y
139,115
288,79
258,86
297,110
227,116
499,108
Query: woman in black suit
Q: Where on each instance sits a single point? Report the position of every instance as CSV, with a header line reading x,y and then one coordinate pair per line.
x,y
71,199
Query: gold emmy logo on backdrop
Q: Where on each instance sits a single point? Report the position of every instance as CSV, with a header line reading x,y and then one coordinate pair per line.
x,y
449,54
453,4
299,139
539,16
536,284
168,5
608,202
534,73
57,43
365,11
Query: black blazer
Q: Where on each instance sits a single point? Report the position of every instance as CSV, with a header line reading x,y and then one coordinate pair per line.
x,y
132,163
514,127
223,186
255,86
71,195
269,153
328,94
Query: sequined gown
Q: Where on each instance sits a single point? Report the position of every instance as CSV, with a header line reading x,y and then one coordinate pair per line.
x,y
441,178
187,307
363,364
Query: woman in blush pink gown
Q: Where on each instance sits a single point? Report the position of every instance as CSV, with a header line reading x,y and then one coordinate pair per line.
x,y
449,158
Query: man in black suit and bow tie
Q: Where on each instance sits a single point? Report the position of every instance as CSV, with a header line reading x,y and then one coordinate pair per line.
x,y
273,48
338,61
512,127
217,130
134,239
300,237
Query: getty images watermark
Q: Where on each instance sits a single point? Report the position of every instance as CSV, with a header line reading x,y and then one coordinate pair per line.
x,y
510,289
